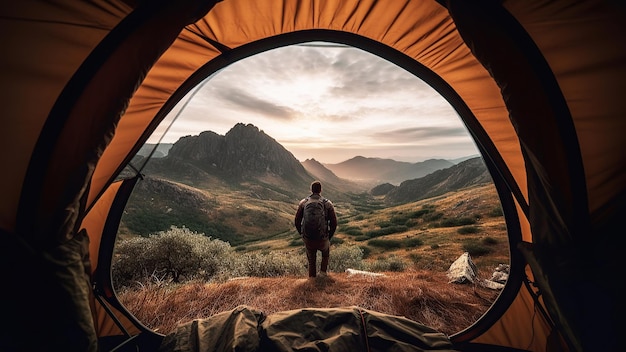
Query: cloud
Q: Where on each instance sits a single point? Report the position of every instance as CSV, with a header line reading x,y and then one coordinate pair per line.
x,y
418,133
240,99
330,103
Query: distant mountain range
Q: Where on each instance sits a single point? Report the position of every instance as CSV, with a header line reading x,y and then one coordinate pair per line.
x,y
376,170
245,178
230,156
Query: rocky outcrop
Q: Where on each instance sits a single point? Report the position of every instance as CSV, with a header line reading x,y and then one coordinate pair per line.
x,y
242,151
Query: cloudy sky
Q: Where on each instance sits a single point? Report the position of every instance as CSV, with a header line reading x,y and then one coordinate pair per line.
x,y
330,103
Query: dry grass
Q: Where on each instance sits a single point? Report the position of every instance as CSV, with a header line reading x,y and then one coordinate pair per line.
x,y
423,296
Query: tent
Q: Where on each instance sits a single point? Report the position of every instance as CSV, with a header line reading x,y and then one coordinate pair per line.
x,y
539,85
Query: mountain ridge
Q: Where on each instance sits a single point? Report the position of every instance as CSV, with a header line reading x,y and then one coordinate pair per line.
x,y
251,183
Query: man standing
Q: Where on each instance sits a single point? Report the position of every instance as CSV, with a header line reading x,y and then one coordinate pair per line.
x,y
316,222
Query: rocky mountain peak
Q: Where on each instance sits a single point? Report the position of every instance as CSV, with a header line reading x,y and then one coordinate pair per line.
x,y
243,151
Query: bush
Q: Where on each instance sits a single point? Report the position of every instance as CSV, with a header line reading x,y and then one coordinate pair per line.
x,y
177,254
413,242
270,264
352,231
476,249
386,231
489,241
419,213
344,257
336,240
452,222
182,255
391,263
468,229
495,212
387,244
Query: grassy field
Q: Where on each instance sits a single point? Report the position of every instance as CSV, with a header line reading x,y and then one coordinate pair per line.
x,y
423,296
427,235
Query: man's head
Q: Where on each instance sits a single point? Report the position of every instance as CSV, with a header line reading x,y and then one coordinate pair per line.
x,y
316,187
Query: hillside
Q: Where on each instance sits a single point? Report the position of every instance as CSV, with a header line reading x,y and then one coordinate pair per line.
x,y
243,188
468,173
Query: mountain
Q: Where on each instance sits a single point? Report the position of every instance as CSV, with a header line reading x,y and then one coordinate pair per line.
x,y
320,172
244,186
374,171
458,160
243,155
464,174
160,150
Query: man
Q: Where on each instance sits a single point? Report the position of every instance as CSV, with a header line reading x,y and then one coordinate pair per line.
x,y
316,238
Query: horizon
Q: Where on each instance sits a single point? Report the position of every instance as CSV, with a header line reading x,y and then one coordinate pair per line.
x,y
469,156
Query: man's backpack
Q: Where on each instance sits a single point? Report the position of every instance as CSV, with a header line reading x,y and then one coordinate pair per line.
x,y
314,224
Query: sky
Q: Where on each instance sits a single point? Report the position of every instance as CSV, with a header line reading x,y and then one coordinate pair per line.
x,y
326,102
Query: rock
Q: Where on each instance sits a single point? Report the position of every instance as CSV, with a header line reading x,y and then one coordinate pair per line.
x,y
463,270
361,272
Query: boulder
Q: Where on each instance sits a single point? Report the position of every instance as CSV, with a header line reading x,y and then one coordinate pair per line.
x,y
463,270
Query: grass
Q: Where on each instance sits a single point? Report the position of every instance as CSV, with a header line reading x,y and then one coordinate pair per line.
x,y
423,296
411,232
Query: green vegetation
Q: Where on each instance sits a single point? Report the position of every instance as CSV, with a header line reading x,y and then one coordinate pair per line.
x,y
468,229
181,255
476,248
424,234
394,244
454,222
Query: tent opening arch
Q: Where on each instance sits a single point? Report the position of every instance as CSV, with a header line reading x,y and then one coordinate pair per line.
x,y
507,189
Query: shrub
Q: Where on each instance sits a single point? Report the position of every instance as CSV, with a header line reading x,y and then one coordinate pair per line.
x,y
489,241
452,222
391,263
386,231
495,212
468,229
419,213
476,249
413,242
177,254
336,240
352,231
387,244
344,257
384,224
270,264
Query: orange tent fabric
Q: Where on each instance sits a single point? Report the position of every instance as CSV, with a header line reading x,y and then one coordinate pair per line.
x,y
538,83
